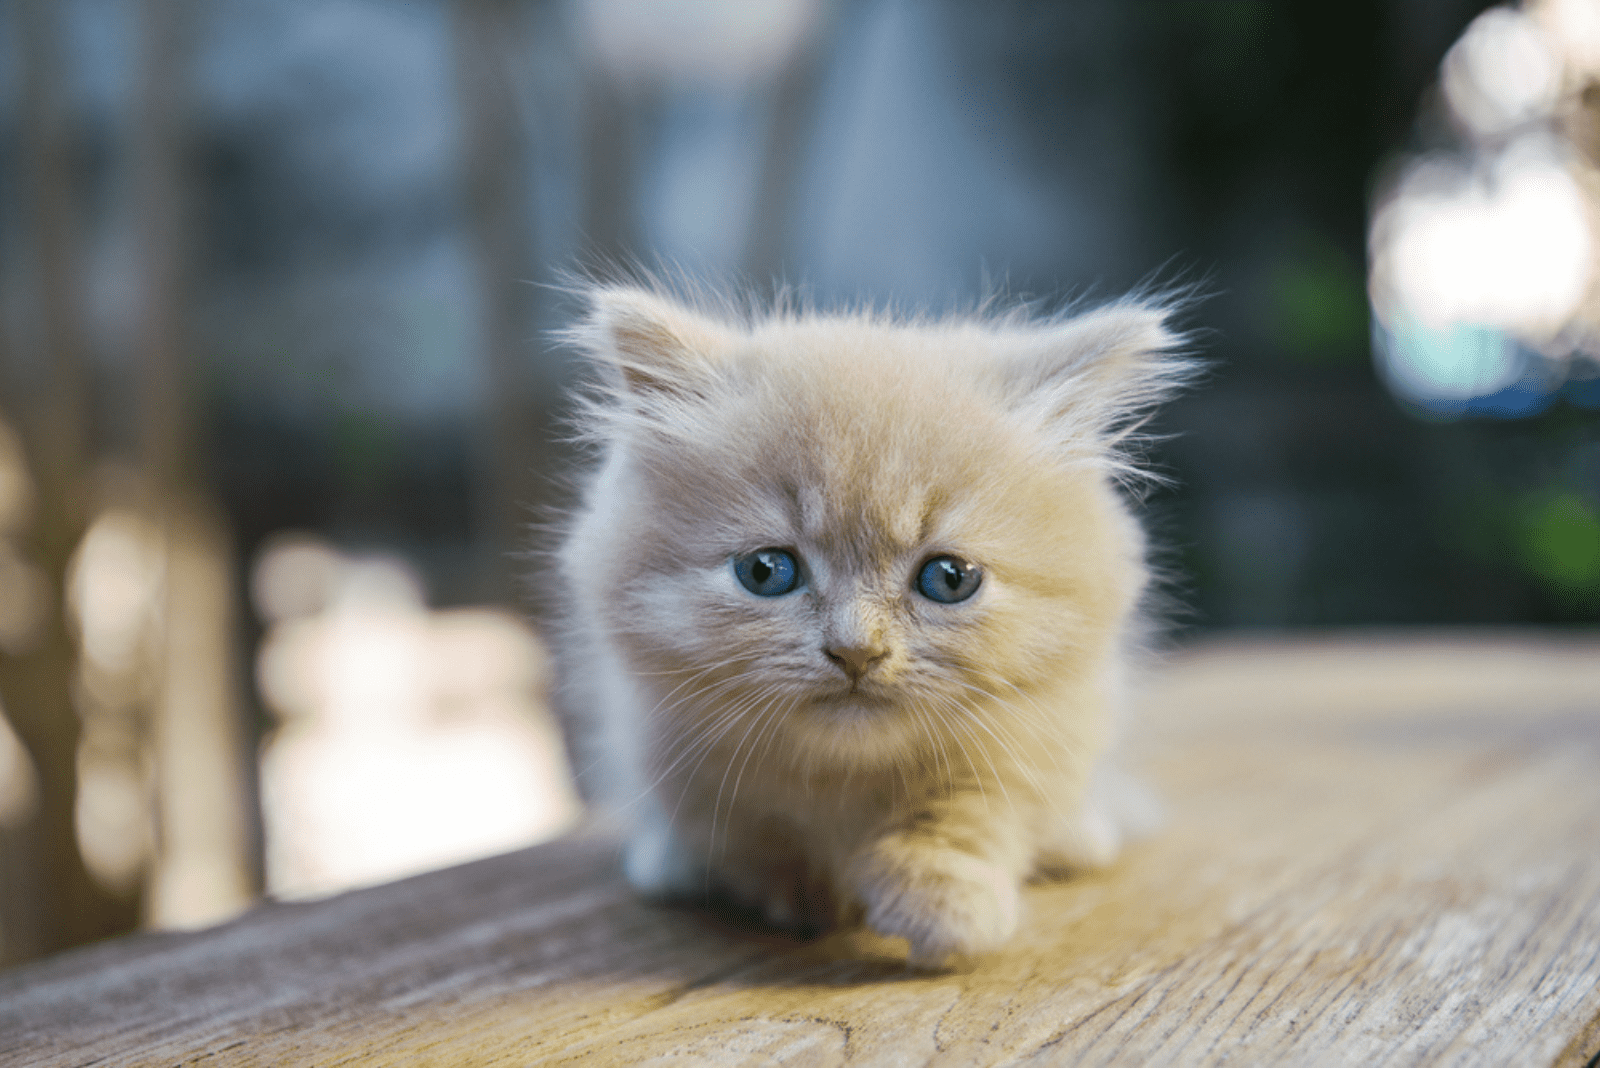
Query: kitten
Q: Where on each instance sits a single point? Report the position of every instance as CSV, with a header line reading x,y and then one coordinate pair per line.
x,y
850,600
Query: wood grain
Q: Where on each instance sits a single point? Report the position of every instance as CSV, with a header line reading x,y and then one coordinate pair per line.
x,y
1378,851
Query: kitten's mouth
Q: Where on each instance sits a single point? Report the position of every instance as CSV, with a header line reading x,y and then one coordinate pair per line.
x,y
854,698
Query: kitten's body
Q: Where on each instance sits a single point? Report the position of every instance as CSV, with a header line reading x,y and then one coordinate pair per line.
x,y
853,746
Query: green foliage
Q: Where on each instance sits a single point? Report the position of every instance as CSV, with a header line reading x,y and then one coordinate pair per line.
x,y
1319,305
1560,547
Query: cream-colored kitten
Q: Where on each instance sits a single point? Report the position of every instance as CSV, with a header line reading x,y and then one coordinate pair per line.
x,y
850,599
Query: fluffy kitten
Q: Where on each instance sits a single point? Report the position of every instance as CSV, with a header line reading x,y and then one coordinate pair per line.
x,y
849,601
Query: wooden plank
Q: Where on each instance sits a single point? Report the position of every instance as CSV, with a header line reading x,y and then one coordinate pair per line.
x,y
1383,851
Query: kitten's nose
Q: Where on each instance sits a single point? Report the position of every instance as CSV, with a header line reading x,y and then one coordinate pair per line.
x,y
855,660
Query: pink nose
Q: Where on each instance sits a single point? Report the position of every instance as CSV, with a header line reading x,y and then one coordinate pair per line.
x,y
855,660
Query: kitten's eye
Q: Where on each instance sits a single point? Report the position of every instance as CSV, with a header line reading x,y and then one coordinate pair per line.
x,y
768,572
949,579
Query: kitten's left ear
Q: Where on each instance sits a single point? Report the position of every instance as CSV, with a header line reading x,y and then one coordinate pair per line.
x,y
1098,373
654,345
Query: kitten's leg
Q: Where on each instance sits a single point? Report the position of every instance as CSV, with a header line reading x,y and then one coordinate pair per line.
x,y
946,881
657,862
1116,809
759,866
765,867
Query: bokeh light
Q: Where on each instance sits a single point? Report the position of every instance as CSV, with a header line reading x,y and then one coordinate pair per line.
x,y
1502,73
726,43
408,739
1483,255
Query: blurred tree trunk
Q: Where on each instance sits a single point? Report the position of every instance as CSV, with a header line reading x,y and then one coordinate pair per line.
x,y
207,864
19,800
51,902
612,116
497,192
793,114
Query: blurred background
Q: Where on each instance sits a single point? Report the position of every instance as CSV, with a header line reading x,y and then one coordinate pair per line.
x,y
278,404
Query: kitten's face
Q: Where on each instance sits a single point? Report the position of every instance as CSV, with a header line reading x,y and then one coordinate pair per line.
x,y
848,534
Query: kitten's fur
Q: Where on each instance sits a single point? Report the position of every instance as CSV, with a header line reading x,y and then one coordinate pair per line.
x,y
965,758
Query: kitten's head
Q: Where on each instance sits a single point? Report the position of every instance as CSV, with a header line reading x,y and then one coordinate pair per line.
x,y
848,529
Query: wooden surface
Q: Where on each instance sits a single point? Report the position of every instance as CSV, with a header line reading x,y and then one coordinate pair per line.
x,y
1379,851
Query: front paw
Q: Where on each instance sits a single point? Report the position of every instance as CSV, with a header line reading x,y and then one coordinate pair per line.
x,y
939,899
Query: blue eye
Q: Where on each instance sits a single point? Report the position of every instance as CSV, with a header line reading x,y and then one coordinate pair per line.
x,y
767,572
948,579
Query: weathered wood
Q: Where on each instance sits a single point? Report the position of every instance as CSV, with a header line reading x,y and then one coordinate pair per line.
x,y
1378,852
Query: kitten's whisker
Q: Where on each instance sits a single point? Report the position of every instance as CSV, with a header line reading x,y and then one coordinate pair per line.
x,y
966,717
760,702
942,750
1036,724
1015,716
662,707
684,746
928,733
716,808
703,745
951,725
1010,747
936,737
605,757
688,740
726,722
701,739
702,696
776,716
794,699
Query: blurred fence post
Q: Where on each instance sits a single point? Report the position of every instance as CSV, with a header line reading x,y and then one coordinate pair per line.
x,y
793,108
207,863
50,902
495,178
612,113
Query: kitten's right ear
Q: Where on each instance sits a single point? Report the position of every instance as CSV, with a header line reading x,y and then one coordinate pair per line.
x,y
1096,376
652,344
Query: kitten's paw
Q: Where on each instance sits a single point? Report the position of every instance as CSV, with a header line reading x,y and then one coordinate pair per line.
x,y
940,900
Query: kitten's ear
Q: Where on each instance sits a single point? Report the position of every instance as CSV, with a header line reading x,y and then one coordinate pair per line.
x,y
1098,373
652,344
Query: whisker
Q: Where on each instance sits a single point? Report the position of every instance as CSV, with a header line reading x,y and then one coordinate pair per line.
x,y
685,744
777,713
1009,745
938,747
1034,720
729,720
967,717
978,779
681,749
716,808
